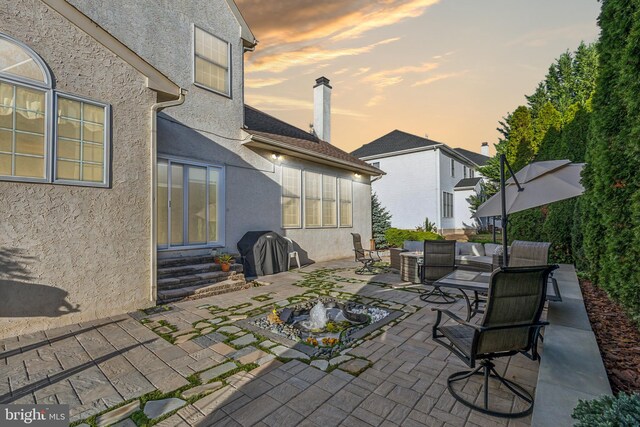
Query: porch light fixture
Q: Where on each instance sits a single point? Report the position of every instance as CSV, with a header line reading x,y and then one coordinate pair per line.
x,y
275,156
357,175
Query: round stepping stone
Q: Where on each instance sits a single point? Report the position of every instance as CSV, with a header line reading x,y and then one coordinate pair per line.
x,y
157,408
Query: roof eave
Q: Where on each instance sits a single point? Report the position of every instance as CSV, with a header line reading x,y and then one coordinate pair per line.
x,y
249,40
260,141
400,152
155,79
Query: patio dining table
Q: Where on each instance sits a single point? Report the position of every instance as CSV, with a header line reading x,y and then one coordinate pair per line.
x,y
478,283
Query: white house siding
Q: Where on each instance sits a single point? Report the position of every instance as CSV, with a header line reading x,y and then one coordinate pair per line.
x,y
71,254
447,183
464,220
408,188
207,127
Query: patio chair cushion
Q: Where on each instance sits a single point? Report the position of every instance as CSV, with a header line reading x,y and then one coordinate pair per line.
x,y
460,336
413,245
491,248
468,248
481,262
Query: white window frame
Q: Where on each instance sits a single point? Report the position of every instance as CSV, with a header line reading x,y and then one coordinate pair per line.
x,y
106,143
50,123
221,208
340,203
300,197
194,29
336,201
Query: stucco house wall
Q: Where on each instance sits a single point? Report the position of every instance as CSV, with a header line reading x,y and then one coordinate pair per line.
x,y
71,253
207,127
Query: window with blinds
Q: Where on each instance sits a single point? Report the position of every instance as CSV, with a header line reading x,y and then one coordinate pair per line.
x,y
291,195
312,199
346,203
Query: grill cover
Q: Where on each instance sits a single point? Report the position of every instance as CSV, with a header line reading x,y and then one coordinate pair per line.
x,y
263,253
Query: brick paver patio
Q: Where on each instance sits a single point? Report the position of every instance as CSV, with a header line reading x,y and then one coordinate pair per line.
x,y
219,374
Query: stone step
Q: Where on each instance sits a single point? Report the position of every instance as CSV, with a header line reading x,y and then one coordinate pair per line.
x,y
187,260
198,279
203,290
191,269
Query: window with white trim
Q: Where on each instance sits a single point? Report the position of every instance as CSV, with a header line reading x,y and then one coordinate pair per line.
x,y
472,173
346,202
464,171
291,196
28,134
212,57
329,202
312,199
447,205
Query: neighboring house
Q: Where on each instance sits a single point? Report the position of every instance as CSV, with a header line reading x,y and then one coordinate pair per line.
x,y
424,179
96,196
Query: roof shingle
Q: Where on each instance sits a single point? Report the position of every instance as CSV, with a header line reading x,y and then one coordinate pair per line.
x,y
477,158
467,182
396,140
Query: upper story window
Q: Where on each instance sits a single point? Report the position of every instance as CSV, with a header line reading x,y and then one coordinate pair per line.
x,y
212,58
464,171
453,168
472,173
29,136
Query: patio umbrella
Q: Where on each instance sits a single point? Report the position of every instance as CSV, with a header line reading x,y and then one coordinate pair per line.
x,y
536,184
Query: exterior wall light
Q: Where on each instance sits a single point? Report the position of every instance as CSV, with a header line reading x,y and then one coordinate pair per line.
x,y
357,175
275,156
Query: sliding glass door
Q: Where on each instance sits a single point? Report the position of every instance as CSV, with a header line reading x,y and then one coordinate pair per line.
x,y
189,199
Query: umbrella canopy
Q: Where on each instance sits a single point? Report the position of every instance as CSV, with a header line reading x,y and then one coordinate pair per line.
x,y
542,183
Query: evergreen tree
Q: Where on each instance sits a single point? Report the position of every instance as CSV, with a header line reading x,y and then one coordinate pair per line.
x,y
519,147
380,222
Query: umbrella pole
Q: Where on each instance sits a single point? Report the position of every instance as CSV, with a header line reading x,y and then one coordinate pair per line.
x,y
493,218
503,200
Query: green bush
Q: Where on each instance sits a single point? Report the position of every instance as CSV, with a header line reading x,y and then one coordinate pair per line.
x,y
396,236
622,410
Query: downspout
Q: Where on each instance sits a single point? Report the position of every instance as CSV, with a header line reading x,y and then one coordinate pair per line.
x,y
155,109
438,152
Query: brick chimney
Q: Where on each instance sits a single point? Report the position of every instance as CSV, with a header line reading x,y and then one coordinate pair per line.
x,y
322,109
484,149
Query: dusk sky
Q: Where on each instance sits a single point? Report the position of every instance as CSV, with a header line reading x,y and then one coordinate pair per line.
x,y
446,68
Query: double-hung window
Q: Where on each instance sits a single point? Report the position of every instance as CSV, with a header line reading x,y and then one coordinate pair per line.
x,y
36,144
447,205
312,199
291,196
329,203
212,58
346,202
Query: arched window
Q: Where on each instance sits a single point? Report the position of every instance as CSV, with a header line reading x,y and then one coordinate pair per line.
x,y
35,145
25,95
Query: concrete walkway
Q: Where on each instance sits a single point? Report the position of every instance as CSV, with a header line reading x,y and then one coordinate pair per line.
x,y
190,364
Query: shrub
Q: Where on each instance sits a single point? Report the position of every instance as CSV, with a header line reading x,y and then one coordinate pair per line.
x,y
396,236
608,411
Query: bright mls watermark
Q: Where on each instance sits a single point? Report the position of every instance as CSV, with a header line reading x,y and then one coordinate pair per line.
x,y
34,415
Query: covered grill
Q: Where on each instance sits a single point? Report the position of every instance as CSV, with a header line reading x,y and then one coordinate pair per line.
x,y
263,253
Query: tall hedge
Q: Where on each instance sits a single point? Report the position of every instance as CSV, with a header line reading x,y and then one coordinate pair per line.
x,y
610,212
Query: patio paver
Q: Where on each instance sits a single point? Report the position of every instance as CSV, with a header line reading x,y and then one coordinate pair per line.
x,y
98,365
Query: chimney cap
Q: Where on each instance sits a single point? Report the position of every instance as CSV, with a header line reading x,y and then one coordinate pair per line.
x,y
484,144
322,81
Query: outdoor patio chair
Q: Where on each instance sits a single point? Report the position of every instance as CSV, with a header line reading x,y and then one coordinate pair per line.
x,y
364,256
510,325
438,260
292,254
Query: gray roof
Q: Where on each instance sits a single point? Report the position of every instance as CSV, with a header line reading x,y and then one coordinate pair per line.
x,y
467,182
258,123
396,140
477,158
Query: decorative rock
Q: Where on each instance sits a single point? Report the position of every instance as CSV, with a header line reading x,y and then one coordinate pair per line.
x,y
354,366
118,414
244,340
184,338
229,329
157,408
201,389
288,353
320,364
338,360
217,371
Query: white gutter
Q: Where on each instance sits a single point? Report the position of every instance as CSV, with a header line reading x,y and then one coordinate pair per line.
x,y
155,109
401,152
